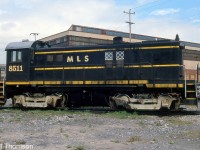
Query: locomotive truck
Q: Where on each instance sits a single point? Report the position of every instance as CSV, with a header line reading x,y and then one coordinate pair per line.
x,y
135,76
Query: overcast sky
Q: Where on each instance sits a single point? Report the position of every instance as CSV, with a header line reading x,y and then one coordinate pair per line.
x,y
160,18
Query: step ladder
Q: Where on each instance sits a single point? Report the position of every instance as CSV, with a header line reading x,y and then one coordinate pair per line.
x,y
190,93
2,101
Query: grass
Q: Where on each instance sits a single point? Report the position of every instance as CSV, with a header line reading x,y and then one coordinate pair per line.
x,y
82,131
20,142
171,142
134,139
193,134
122,115
179,122
115,141
62,131
17,114
1,119
80,147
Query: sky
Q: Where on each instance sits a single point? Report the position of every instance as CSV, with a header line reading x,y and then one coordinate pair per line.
x,y
159,18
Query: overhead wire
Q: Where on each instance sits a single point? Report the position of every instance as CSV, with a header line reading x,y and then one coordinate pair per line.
x,y
119,20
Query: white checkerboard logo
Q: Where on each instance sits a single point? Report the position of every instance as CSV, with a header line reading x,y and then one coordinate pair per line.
x,y
120,55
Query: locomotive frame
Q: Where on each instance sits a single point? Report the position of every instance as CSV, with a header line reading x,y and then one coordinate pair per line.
x,y
146,75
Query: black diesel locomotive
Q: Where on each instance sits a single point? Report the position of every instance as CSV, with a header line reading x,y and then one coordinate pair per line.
x,y
143,76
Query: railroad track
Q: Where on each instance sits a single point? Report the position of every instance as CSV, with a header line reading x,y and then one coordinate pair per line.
x,y
99,110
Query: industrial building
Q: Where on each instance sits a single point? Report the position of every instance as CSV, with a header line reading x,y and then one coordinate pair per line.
x,y
78,35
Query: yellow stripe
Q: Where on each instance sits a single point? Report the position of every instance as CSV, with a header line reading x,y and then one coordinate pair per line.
x,y
74,82
94,82
190,98
69,68
101,82
52,68
36,82
102,67
88,67
117,82
158,47
180,85
149,66
168,65
149,85
100,50
80,82
165,85
52,82
190,83
17,83
138,81
70,51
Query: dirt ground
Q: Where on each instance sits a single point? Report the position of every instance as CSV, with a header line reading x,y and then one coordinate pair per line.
x,y
99,129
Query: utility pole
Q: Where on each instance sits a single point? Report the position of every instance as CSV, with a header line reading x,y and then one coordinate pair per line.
x,y
129,22
35,35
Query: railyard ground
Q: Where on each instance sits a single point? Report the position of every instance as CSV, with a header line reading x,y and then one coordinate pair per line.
x,y
99,129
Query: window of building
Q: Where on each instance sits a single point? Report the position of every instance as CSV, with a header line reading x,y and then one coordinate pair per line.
x,y
192,77
16,56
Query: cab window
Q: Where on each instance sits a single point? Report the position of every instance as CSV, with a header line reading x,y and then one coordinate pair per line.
x,y
16,56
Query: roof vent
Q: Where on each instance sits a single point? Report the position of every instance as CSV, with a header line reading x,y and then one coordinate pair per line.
x,y
117,40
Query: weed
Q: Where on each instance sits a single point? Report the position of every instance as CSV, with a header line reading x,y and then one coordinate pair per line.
x,y
66,135
115,141
20,142
193,134
69,146
82,131
1,119
179,122
158,124
134,139
122,115
171,142
80,147
61,130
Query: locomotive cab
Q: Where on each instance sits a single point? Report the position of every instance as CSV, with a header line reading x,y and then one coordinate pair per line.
x,y
19,58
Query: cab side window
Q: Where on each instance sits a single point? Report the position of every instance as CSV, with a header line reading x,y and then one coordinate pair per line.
x,y
16,56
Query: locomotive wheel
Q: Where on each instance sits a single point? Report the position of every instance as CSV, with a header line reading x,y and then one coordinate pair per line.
x,y
13,102
62,103
113,105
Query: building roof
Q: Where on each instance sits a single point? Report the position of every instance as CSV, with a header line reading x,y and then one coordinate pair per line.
x,y
113,33
123,34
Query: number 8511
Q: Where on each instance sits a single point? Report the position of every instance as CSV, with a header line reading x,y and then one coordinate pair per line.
x,y
15,68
